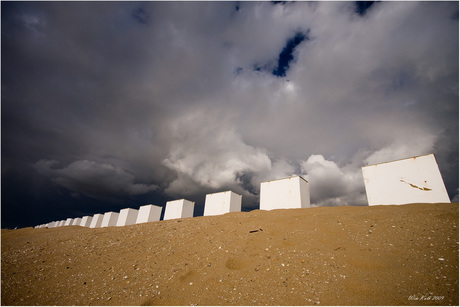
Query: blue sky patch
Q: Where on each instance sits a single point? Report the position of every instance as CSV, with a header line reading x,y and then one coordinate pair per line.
x,y
140,15
286,56
363,6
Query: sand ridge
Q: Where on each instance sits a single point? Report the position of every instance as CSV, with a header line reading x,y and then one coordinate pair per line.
x,y
380,255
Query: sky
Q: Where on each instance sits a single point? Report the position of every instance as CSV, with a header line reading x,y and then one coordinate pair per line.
x,y
112,105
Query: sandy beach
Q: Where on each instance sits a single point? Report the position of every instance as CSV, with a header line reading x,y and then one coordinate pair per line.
x,y
381,255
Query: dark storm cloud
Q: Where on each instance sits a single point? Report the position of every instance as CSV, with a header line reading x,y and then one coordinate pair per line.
x,y
92,179
156,100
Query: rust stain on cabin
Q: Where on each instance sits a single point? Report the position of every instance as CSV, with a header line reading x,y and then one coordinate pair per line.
x,y
416,187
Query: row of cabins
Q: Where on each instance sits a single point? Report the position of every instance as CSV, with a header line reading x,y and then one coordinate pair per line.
x,y
412,180
292,192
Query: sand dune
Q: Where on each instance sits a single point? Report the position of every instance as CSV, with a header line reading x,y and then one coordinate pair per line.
x,y
382,255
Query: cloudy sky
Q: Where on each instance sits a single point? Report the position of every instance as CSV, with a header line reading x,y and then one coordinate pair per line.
x,y
112,105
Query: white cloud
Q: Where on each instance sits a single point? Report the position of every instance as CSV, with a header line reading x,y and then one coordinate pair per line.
x,y
403,148
331,185
206,149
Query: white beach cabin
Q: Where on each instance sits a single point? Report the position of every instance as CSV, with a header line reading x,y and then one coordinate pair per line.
x,y
86,221
148,213
411,180
96,222
76,221
221,203
177,209
287,193
127,216
109,219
